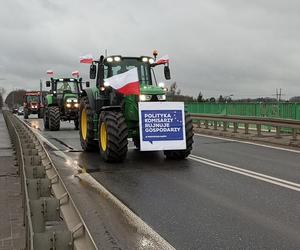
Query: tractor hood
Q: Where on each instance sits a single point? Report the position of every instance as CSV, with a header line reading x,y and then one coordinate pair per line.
x,y
151,90
70,96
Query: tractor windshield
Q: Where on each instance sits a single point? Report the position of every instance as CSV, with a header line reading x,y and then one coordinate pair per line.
x,y
69,87
32,98
115,68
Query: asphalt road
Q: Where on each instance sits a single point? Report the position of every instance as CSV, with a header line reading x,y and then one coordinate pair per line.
x,y
226,195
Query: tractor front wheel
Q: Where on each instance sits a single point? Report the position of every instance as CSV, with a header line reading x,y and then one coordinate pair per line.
x,y
86,126
182,154
46,121
113,133
25,114
76,123
54,118
41,113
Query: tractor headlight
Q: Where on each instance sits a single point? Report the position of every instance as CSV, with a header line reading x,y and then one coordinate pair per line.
x,y
144,98
69,100
117,59
76,105
106,84
145,59
109,59
161,97
68,105
151,60
161,85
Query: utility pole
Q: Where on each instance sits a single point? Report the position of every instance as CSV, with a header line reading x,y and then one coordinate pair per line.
x,y
279,94
41,91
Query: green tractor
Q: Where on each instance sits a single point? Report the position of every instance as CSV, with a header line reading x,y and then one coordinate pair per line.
x,y
107,118
62,103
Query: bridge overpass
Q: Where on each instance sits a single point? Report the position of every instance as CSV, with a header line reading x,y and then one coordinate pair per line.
x,y
228,194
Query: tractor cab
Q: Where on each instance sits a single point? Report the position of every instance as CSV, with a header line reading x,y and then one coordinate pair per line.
x,y
114,65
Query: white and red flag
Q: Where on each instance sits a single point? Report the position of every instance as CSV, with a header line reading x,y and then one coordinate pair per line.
x,y
125,83
75,73
50,72
163,60
88,59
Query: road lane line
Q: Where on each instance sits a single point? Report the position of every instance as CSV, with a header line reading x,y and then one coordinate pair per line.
x,y
252,174
248,171
248,142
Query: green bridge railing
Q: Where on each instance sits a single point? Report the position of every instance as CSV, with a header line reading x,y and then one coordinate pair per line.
x,y
272,110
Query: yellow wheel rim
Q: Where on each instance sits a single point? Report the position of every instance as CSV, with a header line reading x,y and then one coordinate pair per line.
x,y
103,136
83,124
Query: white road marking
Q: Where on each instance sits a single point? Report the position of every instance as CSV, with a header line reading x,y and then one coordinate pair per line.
x,y
252,174
248,142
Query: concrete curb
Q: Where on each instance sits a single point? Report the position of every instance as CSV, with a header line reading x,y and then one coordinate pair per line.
x,y
149,238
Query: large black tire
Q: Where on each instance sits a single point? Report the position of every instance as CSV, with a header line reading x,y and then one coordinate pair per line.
x,y
114,137
87,142
54,118
46,121
41,113
182,154
136,142
25,114
76,123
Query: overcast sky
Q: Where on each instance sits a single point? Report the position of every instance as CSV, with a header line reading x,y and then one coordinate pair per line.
x,y
244,48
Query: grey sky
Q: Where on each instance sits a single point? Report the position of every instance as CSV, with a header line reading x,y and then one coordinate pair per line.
x,y
245,48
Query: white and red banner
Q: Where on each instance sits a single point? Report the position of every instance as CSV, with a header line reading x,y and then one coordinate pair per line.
x,y
50,72
163,60
75,73
88,59
125,83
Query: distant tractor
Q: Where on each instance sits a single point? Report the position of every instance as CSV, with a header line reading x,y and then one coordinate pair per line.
x,y
62,103
33,104
107,118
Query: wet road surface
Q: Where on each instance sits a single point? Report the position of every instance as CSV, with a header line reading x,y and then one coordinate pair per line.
x,y
198,205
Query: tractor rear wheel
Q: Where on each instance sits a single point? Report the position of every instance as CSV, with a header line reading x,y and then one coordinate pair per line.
x,y
182,154
46,121
54,118
113,133
86,126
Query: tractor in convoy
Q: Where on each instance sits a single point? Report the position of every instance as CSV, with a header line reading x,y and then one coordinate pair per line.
x,y
62,102
107,118
33,104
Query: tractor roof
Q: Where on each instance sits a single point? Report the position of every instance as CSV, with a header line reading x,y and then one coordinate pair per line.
x,y
33,93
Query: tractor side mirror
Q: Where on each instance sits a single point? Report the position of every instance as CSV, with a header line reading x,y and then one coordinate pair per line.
x,y
167,72
93,71
87,84
48,84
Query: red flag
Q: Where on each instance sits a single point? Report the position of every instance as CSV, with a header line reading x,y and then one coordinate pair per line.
x,y
88,59
75,73
126,83
50,72
163,60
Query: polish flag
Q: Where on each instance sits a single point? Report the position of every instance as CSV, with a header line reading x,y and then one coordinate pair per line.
x,y
50,72
88,59
75,73
125,83
163,60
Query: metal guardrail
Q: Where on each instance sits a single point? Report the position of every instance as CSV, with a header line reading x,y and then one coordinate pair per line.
x,y
277,123
51,218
